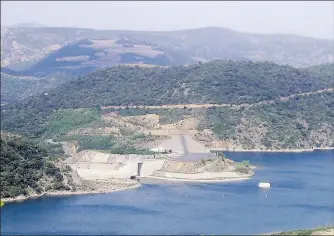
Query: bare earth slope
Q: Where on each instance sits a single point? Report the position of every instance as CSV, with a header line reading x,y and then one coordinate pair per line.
x,y
216,168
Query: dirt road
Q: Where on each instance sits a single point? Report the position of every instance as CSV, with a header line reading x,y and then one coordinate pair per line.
x,y
199,106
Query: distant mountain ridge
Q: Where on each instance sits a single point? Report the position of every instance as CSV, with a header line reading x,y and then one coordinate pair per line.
x,y
28,24
82,48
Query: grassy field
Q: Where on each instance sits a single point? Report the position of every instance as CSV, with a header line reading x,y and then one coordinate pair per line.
x,y
65,120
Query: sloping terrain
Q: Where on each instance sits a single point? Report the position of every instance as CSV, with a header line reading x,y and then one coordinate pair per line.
x,y
212,168
56,55
85,55
215,82
209,164
266,107
26,170
16,88
304,122
323,70
316,231
27,44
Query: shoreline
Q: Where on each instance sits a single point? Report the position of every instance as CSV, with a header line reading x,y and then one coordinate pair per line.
x,y
64,194
137,185
197,180
322,230
274,150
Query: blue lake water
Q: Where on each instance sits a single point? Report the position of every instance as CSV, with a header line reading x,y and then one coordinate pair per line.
x,y
301,196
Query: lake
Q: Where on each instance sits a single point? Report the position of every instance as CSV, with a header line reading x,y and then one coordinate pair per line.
x,y
301,196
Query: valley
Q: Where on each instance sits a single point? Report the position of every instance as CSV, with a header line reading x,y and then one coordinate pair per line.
x,y
275,109
191,120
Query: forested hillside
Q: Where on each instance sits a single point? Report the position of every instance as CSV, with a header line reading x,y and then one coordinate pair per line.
x,y
26,168
324,70
16,88
300,122
217,82
214,82
304,122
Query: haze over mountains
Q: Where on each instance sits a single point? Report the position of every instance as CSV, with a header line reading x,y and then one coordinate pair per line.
x,y
73,48
36,58
59,61
88,110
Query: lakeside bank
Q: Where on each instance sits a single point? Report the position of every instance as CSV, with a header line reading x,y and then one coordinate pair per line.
x,y
197,180
136,185
216,208
327,230
67,193
272,150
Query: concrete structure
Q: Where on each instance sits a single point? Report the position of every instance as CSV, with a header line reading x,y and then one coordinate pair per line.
x,y
140,164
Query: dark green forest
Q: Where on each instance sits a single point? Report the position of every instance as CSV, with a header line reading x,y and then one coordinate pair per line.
x,y
323,70
214,82
26,168
302,122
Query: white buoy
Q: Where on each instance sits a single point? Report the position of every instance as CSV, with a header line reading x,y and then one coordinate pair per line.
x,y
264,185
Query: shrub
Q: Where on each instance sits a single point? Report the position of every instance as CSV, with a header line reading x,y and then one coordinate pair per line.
x,y
39,189
242,169
48,188
67,168
58,186
91,141
50,169
245,163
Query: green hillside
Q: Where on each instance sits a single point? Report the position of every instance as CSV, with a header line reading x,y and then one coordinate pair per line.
x,y
16,88
323,70
214,82
301,121
26,168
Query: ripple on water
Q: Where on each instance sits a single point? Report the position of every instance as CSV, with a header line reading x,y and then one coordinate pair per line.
x,y
301,196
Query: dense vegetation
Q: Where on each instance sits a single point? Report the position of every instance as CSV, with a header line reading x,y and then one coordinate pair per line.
x,y
324,70
64,120
307,232
302,122
16,88
214,82
90,141
25,168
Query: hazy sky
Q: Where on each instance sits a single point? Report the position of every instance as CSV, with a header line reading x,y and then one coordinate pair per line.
x,y
304,18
